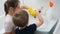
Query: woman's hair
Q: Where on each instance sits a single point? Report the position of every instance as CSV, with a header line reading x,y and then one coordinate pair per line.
x,y
10,3
21,18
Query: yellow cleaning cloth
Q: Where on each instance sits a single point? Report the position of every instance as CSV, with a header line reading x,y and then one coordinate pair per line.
x,y
32,12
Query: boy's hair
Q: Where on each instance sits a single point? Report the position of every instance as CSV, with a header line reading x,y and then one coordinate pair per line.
x,y
21,18
10,3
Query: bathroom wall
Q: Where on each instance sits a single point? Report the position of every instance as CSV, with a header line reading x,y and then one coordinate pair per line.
x,y
43,5
2,7
53,12
56,9
38,4
2,13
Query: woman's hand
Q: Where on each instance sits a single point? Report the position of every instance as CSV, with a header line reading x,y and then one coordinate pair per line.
x,y
24,7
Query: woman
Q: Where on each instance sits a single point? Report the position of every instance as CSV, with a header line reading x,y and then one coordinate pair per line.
x,y
10,7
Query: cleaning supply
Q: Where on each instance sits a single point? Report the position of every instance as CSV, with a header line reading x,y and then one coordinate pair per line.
x,y
32,12
51,4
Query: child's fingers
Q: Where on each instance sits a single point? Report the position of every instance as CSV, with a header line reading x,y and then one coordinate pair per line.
x,y
37,11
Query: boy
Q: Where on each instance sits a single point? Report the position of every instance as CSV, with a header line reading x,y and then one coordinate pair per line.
x,y
21,18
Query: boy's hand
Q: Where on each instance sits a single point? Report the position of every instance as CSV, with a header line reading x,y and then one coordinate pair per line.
x,y
38,11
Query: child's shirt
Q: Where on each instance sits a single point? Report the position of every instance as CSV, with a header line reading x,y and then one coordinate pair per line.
x,y
27,30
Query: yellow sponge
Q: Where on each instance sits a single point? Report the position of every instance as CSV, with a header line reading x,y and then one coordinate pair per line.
x,y
32,12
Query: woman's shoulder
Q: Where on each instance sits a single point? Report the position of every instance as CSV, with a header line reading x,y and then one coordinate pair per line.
x,y
8,18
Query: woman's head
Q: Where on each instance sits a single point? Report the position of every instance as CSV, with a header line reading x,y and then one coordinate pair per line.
x,y
20,18
11,5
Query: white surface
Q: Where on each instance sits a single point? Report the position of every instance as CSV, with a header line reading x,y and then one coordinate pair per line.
x,y
2,19
38,4
47,27
56,9
1,7
2,31
57,30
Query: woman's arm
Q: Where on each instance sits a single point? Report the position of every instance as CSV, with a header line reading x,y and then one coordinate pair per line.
x,y
9,33
9,28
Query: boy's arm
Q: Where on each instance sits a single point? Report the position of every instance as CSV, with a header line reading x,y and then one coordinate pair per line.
x,y
40,22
